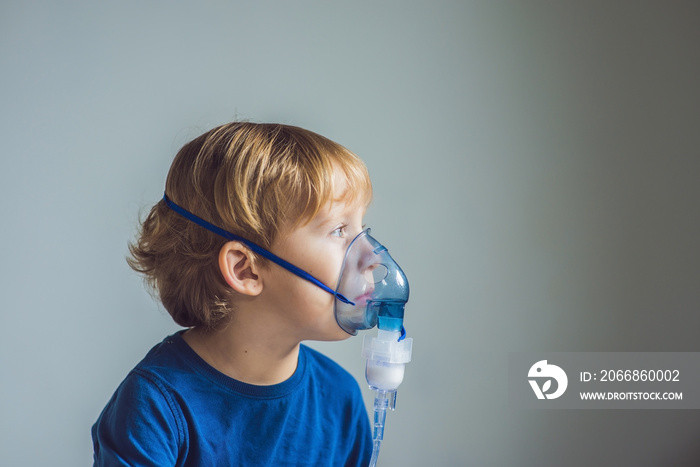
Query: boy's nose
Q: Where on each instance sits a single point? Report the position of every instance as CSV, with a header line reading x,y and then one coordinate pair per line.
x,y
365,254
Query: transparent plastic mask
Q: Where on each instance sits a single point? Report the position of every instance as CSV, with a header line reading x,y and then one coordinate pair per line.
x,y
374,284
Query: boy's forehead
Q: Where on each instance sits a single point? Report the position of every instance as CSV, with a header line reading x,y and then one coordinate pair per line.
x,y
343,192
342,203
338,209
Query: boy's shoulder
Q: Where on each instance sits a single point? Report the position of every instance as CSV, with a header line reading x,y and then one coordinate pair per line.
x,y
167,356
155,373
170,368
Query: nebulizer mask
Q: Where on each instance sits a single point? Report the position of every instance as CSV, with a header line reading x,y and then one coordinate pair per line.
x,y
372,290
375,285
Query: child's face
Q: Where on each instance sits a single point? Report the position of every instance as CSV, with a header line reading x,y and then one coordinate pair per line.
x,y
318,247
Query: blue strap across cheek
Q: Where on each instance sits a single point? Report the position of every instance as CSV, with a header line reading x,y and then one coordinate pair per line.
x,y
253,247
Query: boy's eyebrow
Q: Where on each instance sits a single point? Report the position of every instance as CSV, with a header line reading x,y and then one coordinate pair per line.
x,y
327,221
334,217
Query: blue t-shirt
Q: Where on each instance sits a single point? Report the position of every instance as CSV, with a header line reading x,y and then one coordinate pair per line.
x,y
174,409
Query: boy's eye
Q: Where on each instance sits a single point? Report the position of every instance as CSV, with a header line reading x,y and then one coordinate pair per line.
x,y
339,232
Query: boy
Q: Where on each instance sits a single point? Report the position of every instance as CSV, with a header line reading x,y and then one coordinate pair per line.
x,y
238,387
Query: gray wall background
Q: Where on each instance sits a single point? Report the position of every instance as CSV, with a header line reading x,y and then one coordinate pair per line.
x,y
536,175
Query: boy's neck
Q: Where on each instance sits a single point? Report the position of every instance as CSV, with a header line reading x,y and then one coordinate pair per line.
x,y
245,355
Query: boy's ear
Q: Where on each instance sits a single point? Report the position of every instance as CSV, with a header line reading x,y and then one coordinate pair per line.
x,y
238,269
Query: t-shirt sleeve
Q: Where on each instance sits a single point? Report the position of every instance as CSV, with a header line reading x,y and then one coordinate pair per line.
x,y
140,426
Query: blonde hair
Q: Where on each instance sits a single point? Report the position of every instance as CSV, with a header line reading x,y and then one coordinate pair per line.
x,y
250,179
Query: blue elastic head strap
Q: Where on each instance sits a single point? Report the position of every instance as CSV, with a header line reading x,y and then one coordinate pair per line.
x,y
253,247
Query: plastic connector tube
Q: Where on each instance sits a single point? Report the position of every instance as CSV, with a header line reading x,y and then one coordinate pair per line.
x,y
381,403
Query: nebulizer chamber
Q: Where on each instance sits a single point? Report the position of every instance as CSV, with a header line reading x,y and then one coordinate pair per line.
x,y
376,290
